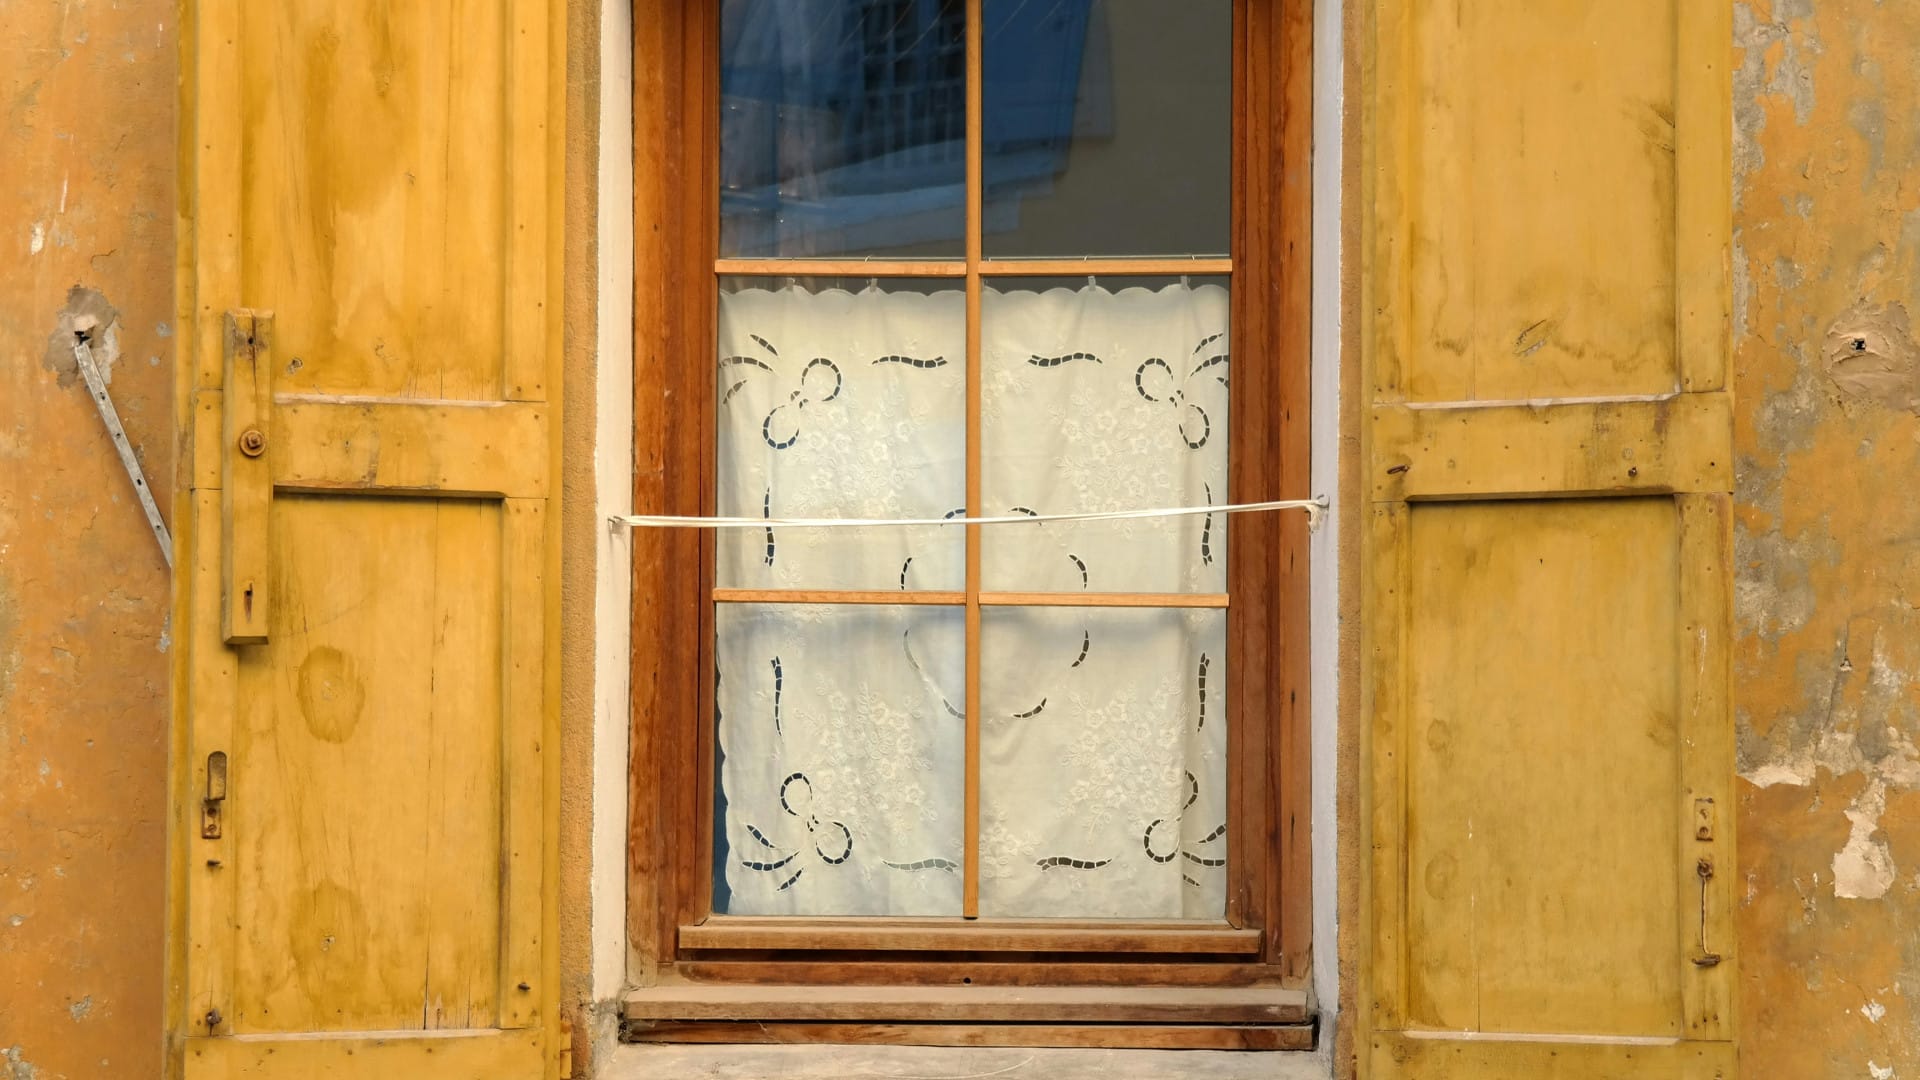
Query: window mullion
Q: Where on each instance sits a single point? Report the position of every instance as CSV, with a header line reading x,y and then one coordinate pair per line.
x,y
970,901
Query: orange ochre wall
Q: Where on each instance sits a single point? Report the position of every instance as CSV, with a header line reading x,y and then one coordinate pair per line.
x,y
1827,662
1827,219
87,103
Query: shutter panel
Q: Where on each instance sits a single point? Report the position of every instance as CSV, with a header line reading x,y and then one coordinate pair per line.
x,y
364,799
1547,816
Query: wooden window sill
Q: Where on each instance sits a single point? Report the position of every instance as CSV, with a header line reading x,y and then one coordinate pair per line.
x,y
1207,1005
839,1062
968,935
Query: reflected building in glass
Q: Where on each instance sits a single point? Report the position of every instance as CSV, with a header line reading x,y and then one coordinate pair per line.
x,y
1106,128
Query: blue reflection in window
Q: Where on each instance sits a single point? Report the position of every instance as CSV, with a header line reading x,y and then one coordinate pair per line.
x,y
843,122
843,126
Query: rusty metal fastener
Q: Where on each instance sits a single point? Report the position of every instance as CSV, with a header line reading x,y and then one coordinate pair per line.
x,y
253,442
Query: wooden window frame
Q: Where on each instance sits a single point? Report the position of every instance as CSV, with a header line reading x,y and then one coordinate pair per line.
x,y
673,939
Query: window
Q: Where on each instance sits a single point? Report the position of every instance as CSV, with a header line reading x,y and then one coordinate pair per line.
x,y
934,258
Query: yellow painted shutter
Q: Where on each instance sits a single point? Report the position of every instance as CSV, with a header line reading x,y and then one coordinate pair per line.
x,y
364,762
1547,821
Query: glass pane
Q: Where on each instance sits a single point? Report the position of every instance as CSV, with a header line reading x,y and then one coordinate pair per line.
x,y
1103,763
841,760
1094,401
1108,127
842,403
842,127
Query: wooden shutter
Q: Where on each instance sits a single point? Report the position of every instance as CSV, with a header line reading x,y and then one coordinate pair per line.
x,y
363,788
1547,821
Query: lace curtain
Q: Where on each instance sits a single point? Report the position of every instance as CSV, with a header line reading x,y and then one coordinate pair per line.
x,y
841,727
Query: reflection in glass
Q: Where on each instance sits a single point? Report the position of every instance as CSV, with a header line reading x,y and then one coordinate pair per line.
x,y
842,127
841,760
841,403
1108,127
1095,400
1103,763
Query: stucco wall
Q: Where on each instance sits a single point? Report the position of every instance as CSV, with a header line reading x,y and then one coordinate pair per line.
x,y
1827,159
86,201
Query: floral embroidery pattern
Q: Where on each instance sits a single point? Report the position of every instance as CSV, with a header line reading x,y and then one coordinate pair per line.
x,y
1086,635
820,382
1102,789
796,800
1179,850
1154,380
782,432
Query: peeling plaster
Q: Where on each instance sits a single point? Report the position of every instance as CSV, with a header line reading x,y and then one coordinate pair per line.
x,y
1863,870
1871,356
18,1067
87,311
9,651
1826,384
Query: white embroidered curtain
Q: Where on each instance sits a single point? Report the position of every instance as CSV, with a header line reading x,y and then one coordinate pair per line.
x,y
840,727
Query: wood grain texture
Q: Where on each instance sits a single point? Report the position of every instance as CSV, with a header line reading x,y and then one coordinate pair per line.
x,y
1014,969
1039,1004
974,935
366,787
862,597
1384,704
975,222
1705,669
380,901
885,597
207,888
1109,1036
480,1055
675,211
534,182
1673,444
1268,774
210,160
1537,197
1545,572
1105,600
852,268
522,606
693,891
451,448
1703,196
246,484
1250,456
1543,747
1290,766
1105,267
392,273
1546,1058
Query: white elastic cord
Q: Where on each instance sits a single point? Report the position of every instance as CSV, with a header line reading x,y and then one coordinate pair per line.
x,y
1314,508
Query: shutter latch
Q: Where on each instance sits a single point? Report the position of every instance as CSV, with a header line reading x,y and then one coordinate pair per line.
x,y
1704,869
216,795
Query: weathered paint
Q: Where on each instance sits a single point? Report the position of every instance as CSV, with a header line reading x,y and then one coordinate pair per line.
x,y
1829,570
1828,535
86,229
